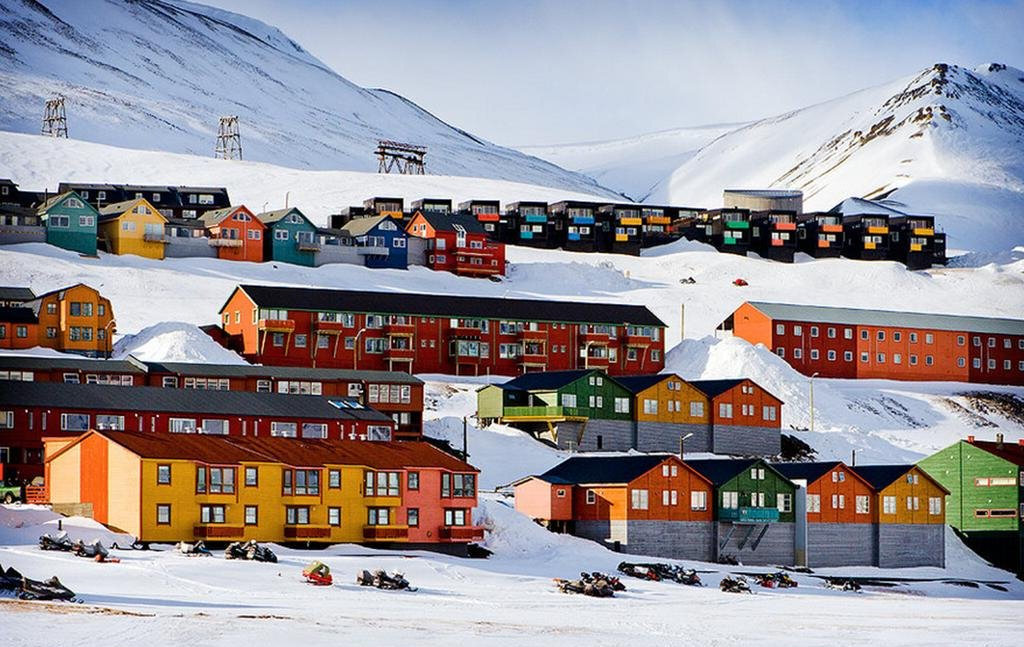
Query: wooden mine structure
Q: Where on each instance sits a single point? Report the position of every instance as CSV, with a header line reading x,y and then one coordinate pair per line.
x,y
55,120
229,141
398,157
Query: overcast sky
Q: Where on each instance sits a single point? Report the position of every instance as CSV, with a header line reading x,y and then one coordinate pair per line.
x,y
552,71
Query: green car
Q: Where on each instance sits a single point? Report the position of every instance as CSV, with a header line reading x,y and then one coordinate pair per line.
x,y
10,493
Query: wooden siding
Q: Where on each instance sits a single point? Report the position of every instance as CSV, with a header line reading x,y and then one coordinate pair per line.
x,y
677,392
902,489
960,468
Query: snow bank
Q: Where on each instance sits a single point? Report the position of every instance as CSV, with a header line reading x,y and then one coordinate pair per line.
x,y
174,341
22,524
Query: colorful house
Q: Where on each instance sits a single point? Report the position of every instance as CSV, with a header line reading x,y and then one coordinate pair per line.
x,y
727,229
19,328
834,515
820,234
651,504
753,510
529,224
575,225
866,236
773,235
133,227
487,213
746,420
71,223
458,243
910,512
75,319
290,237
394,207
624,228
985,480
380,240
236,233
667,408
440,205
186,488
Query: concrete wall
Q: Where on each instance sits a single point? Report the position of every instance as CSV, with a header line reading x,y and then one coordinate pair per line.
x,y
841,544
417,250
902,545
14,234
615,435
604,532
777,546
188,247
746,441
664,437
338,254
671,539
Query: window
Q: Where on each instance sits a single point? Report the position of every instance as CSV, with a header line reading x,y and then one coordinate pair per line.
x,y
929,338
387,484
780,329
334,516
650,406
300,482
314,430
252,515
211,514
831,333
591,497
215,480
455,517
334,479
74,421
889,505
814,503
163,514
724,410
163,474
847,355
880,358
182,425
251,477
730,500
698,500
412,517
769,413
864,357
6,420
412,480
865,334
912,503
283,429
798,331
215,426
961,340
639,499
863,504
296,515
784,502
831,355
780,351
934,505
814,331
798,353
621,405
569,400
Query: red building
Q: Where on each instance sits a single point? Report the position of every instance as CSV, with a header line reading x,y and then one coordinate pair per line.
x,y
424,333
458,243
879,344
31,410
236,233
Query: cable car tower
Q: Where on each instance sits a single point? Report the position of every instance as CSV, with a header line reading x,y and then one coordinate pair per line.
x,y
396,157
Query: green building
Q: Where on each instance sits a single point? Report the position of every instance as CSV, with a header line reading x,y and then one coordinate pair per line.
x,y
290,237
70,223
753,510
986,502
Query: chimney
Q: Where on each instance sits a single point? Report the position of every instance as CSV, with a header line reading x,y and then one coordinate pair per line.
x,y
970,439
999,441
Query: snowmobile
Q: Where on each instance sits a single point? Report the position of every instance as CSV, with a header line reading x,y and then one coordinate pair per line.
x,y
742,283
597,585
737,584
778,580
251,551
382,580
728,559
642,571
60,542
198,548
318,574
11,581
612,581
688,576
842,585
95,551
688,281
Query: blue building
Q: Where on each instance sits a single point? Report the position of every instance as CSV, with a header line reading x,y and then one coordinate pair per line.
x,y
380,240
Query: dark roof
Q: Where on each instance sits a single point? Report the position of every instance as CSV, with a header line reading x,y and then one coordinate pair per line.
x,y
863,317
411,303
198,401
299,452
19,362
637,383
18,315
810,472
882,476
214,216
721,470
448,221
189,223
546,380
602,469
1008,451
12,293
285,372
715,388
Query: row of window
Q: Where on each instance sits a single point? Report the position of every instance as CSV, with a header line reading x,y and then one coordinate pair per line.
x,y
897,358
896,335
912,504
212,514
862,503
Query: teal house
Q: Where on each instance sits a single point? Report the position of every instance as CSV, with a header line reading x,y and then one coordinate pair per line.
x,y
290,237
70,223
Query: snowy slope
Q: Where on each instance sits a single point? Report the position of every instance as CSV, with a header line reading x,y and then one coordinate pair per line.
x,y
157,74
632,165
947,140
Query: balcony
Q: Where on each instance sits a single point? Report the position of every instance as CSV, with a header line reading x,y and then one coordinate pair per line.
x,y
630,221
386,533
330,327
537,335
637,341
538,218
372,250
466,267
595,337
924,231
217,531
226,242
595,361
749,515
878,230
784,226
465,332
154,238
400,329
307,246
659,220
400,354
461,533
277,325
534,412
306,532
533,359
737,224
832,229
488,217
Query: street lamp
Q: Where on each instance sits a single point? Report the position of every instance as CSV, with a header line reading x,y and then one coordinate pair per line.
x,y
682,439
355,348
109,334
810,382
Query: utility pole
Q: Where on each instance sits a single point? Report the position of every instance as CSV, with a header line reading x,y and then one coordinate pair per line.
x,y
55,119
229,140
465,438
811,383
682,322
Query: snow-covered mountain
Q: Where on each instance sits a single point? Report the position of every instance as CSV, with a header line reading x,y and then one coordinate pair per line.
x,y
157,74
635,164
947,140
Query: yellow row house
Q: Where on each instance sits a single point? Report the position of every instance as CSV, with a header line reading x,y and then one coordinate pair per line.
x,y
133,227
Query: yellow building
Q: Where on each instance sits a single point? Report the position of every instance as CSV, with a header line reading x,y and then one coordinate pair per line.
x,y
133,227
666,397
186,487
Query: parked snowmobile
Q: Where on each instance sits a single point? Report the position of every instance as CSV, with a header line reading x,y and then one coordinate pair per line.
x,y
641,571
842,585
728,559
11,581
657,572
60,542
737,584
251,551
382,580
598,585
96,550
198,548
318,574
778,580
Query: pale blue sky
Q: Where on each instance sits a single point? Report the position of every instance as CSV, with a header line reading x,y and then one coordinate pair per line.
x,y
550,71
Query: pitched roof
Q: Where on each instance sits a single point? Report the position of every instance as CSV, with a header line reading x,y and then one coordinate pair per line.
x,y
157,399
602,469
118,208
1012,452
882,476
443,305
18,362
715,388
18,315
810,472
14,293
52,201
448,221
637,383
767,193
298,452
360,226
721,470
285,372
921,320
546,380
270,217
215,216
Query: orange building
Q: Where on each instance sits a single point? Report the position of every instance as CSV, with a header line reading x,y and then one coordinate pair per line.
x,y
236,233
75,319
651,504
